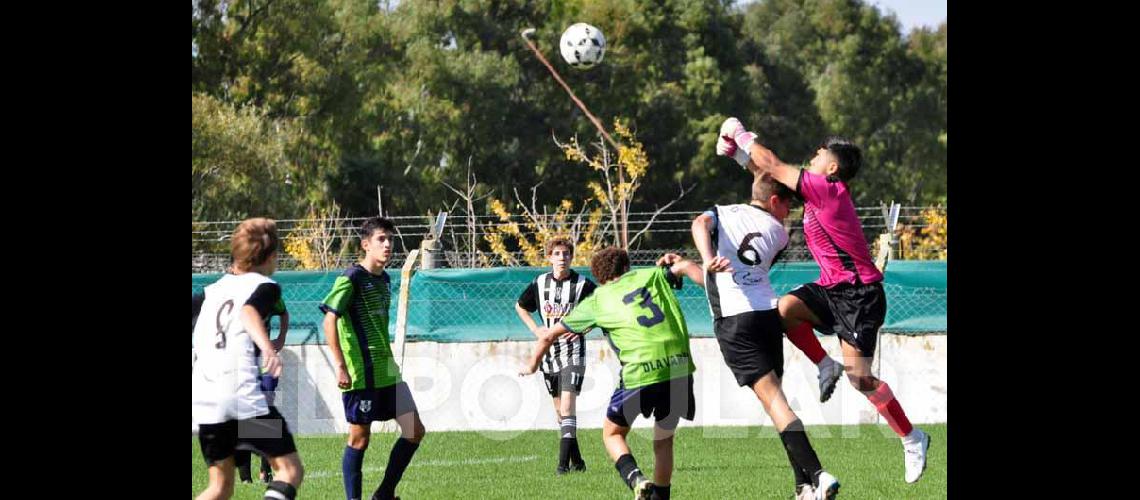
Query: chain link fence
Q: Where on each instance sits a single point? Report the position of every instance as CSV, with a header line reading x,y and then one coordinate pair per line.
x,y
664,232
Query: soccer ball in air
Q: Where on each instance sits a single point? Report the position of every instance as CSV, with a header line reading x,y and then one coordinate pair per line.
x,y
582,45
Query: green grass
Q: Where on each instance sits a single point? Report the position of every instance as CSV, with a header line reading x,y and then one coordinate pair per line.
x,y
710,462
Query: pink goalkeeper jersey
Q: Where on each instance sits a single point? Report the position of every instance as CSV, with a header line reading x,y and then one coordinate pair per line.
x,y
834,234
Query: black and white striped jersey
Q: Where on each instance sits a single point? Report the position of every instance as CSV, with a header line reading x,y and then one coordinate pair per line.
x,y
554,299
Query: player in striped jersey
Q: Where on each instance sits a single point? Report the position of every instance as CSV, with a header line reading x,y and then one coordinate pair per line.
x,y
227,401
554,294
356,331
847,300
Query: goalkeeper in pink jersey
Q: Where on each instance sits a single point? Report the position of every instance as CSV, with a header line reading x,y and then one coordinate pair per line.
x,y
848,299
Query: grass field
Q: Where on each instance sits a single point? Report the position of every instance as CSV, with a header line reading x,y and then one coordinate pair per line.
x,y
710,462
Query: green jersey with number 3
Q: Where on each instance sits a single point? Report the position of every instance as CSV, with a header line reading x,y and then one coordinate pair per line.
x,y
642,319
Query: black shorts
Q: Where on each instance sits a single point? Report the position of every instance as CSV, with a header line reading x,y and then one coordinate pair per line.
x,y
267,435
752,344
364,406
853,312
568,379
667,401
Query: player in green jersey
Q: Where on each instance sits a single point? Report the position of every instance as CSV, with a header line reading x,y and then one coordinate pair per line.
x,y
639,314
356,330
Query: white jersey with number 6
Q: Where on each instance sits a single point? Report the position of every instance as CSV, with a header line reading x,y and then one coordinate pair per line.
x,y
750,238
225,376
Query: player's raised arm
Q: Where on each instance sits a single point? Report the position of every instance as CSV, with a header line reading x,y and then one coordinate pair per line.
x,y
679,266
740,144
702,236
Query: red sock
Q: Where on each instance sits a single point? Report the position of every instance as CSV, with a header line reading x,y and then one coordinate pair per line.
x,y
889,407
804,339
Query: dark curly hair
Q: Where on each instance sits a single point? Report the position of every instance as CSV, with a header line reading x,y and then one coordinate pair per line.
x,y
609,263
559,241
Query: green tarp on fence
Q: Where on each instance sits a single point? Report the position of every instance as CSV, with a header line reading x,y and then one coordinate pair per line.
x,y
475,305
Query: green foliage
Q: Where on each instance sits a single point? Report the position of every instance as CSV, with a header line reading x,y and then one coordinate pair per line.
x,y
351,94
247,164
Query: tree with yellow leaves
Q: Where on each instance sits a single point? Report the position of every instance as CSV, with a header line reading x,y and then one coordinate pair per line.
x,y
927,242
613,192
313,239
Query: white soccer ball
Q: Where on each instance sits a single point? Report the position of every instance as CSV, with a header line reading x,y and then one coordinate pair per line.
x,y
582,45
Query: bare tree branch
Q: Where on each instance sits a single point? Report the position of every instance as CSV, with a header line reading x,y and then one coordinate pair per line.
x,y
662,209
532,212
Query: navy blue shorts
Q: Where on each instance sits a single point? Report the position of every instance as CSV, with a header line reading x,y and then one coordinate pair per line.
x,y
364,406
667,401
267,383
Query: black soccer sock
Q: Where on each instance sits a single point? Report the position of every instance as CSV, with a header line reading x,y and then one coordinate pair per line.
x,y
628,470
398,460
797,471
576,453
569,439
660,493
800,451
266,469
564,453
280,490
241,460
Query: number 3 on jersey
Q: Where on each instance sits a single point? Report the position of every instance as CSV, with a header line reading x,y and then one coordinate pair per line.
x,y
646,302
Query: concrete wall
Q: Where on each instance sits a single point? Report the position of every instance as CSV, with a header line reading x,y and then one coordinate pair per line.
x,y
475,386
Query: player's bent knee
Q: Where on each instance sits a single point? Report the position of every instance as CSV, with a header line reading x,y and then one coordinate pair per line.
x,y
862,383
358,442
611,428
792,311
418,432
300,474
291,470
784,305
788,303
